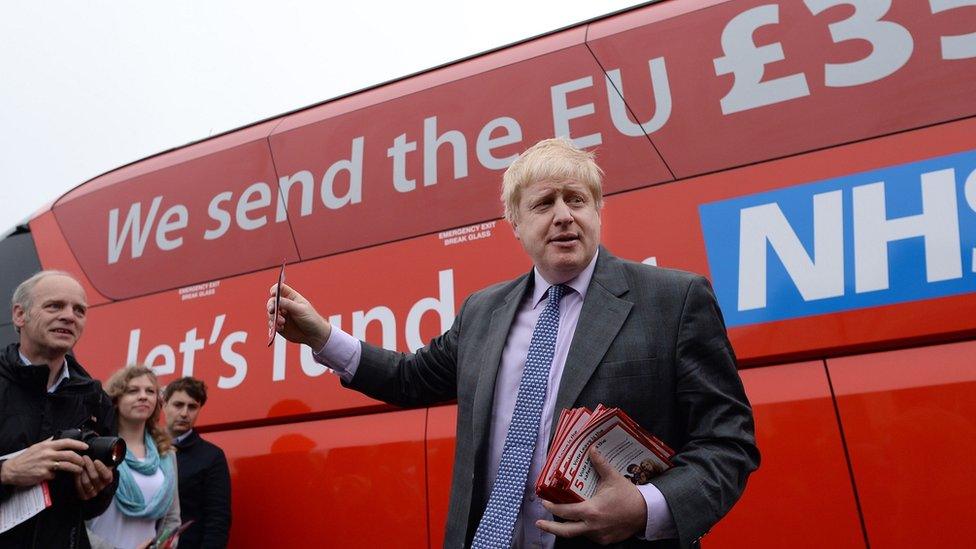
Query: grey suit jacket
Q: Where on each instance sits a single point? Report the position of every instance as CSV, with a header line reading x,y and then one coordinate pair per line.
x,y
650,341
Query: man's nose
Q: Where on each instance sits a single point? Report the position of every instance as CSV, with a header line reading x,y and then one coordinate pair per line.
x,y
561,213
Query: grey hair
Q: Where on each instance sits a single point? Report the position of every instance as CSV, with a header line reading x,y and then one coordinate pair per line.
x,y
24,293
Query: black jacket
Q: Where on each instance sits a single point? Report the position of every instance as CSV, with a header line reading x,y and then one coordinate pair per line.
x,y
28,415
204,493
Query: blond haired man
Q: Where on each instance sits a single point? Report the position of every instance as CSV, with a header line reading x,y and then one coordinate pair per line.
x,y
582,328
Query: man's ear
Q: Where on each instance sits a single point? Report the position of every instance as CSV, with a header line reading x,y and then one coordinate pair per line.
x,y
516,230
19,315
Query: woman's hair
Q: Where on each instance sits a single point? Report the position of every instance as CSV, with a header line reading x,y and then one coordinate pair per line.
x,y
119,382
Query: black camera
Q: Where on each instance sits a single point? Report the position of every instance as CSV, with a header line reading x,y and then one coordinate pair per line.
x,y
108,450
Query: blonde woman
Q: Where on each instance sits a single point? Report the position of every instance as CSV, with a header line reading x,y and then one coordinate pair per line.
x,y
147,502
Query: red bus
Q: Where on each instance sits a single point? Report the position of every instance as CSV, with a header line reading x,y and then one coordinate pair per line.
x,y
816,160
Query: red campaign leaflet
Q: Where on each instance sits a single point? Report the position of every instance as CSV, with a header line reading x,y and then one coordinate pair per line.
x,y
571,422
627,447
23,502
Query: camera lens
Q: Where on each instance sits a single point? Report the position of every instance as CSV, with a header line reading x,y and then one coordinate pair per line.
x,y
108,450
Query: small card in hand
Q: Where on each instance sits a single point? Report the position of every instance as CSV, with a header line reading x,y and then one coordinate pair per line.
x,y
277,302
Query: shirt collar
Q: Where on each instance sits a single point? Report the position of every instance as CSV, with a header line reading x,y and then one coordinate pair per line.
x,y
61,378
580,283
183,437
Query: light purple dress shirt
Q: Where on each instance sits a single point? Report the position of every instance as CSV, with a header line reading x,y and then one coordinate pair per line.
x,y
342,352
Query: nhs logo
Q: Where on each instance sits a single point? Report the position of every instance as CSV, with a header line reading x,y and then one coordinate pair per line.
x,y
898,234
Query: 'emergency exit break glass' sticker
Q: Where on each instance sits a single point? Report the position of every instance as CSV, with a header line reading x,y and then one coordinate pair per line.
x,y
893,235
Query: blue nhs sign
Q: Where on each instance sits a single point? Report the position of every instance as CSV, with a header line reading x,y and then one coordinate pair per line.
x,y
894,235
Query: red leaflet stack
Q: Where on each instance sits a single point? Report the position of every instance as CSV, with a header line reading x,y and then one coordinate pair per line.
x,y
569,477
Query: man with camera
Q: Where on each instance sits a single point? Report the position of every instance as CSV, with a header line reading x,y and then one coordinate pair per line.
x,y
47,402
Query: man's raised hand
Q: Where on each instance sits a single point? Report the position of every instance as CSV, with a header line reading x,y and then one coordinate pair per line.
x,y
297,320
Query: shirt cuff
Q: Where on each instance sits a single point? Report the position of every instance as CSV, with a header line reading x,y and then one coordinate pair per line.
x,y
341,353
660,523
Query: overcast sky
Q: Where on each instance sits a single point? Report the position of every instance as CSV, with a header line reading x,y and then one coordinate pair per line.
x,y
89,86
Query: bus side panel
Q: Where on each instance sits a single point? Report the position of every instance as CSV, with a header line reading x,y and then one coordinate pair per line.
x,y
909,418
815,85
218,332
801,496
803,466
455,140
698,225
441,425
346,482
144,228
398,296
54,253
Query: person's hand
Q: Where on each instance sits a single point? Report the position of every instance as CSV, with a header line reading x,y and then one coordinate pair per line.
x,y
298,321
41,461
93,478
616,511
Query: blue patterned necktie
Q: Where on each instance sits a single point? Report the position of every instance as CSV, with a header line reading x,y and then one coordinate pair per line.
x,y
505,501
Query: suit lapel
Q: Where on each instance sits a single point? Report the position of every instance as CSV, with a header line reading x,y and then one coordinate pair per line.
x,y
602,316
495,339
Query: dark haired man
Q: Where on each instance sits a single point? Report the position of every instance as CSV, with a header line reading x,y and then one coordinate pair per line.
x,y
204,477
